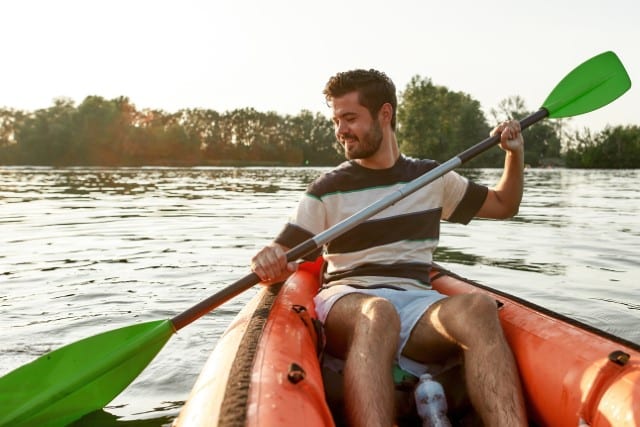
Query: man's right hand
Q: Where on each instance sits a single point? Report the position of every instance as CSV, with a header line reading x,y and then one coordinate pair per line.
x,y
270,264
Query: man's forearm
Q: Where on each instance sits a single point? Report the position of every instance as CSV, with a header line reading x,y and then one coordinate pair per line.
x,y
510,187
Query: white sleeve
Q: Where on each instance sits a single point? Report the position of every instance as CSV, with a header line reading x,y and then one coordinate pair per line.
x,y
455,186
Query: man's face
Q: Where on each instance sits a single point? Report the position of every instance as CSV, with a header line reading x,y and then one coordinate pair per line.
x,y
358,132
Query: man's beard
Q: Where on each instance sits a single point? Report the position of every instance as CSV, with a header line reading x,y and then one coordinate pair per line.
x,y
366,146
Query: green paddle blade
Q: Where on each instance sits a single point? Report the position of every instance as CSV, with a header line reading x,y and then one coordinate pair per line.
x,y
62,386
591,85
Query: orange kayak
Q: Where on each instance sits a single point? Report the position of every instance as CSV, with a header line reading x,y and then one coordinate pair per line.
x,y
265,369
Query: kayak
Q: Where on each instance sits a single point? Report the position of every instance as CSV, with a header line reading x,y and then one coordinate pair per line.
x,y
266,368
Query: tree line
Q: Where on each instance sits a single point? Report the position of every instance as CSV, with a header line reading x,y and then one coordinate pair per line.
x,y
433,122
113,132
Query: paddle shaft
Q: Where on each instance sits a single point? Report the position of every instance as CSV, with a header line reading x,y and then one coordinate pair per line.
x,y
308,246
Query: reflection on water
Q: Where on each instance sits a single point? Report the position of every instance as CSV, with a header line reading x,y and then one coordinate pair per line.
x,y
447,255
170,182
86,250
629,305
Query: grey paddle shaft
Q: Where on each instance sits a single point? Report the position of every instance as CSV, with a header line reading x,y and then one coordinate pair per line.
x,y
402,192
376,207
310,245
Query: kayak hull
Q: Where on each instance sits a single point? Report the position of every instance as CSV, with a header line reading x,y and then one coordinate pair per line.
x,y
571,373
265,369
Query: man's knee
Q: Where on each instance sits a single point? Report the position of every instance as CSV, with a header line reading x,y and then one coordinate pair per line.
x,y
470,314
482,305
381,316
482,318
360,317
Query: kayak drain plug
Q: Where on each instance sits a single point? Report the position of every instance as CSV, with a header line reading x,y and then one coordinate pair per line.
x,y
296,373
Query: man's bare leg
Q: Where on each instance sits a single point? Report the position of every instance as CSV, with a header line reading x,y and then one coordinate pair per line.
x,y
470,323
364,331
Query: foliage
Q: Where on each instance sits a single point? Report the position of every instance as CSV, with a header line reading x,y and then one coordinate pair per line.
x,y
433,122
615,148
542,140
437,123
113,133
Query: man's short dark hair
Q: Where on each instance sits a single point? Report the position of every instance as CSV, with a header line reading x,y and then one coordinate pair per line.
x,y
374,89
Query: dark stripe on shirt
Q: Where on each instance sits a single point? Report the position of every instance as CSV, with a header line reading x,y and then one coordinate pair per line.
x,y
350,176
470,204
292,235
410,270
395,288
414,226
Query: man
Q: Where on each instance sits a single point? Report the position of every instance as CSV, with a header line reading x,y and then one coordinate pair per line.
x,y
376,304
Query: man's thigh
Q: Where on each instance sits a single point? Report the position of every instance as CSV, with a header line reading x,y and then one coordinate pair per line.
x,y
341,322
429,341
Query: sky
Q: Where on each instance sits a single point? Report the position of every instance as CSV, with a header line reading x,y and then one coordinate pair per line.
x,y
276,55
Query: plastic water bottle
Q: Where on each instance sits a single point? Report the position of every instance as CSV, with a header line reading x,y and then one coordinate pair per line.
x,y
431,403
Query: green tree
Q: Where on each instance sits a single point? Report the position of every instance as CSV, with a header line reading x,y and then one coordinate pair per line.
x,y
267,138
436,123
43,136
96,132
615,147
204,127
10,119
433,122
165,140
542,140
313,134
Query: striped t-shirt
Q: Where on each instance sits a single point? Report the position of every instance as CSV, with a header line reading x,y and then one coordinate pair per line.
x,y
395,246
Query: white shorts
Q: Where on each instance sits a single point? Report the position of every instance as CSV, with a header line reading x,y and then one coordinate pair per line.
x,y
410,306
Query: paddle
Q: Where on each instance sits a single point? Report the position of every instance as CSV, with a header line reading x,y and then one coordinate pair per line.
x,y
62,386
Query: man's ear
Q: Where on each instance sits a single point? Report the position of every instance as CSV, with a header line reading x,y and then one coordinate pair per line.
x,y
386,113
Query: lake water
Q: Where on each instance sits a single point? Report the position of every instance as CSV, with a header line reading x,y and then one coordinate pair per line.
x,y
87,250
